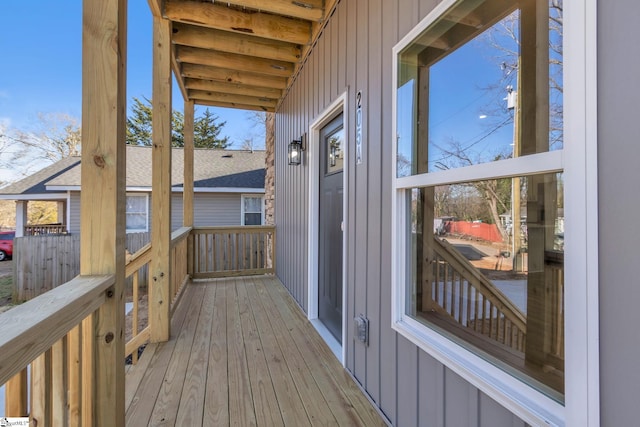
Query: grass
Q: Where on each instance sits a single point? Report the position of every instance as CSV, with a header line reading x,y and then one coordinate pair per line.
x,y
6,288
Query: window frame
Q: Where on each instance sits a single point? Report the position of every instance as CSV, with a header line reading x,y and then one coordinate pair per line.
x,y
242,211
578,162
146,205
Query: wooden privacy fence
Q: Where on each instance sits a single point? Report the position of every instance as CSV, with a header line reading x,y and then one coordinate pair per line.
x,y
44,262
233,251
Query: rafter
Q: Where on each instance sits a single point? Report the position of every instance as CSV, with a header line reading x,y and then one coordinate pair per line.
x,y
233,105
232,76
235,62
310,10
231,88
232,99
223,18
224,41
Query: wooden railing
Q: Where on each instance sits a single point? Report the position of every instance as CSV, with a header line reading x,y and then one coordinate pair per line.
x,y
462,293
54,334
43,229
136,264
179,263
554,272
233,251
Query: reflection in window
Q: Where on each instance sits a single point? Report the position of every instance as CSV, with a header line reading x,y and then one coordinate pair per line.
x,y
486,263
335,151
137,213
467,85
252,210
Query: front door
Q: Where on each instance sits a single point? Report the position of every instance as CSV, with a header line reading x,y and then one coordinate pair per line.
x,y
332,141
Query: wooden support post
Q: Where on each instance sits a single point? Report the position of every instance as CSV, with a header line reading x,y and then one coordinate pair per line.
x,y
187,196
425,255
102,222
160,270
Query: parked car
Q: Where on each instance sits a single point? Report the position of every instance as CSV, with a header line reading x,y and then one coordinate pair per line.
x,y
6,244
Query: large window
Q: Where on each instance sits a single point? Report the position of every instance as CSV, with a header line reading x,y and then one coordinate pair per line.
x,y
137,213
252,210
480,192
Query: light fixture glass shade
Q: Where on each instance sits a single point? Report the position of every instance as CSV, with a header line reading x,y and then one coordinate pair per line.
x,y
295,153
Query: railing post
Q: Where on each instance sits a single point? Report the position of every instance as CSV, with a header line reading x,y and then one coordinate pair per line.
x,y
16,396
160,268
102,222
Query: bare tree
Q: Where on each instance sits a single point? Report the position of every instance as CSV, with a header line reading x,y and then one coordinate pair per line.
x,y
504,39
258,120
55,136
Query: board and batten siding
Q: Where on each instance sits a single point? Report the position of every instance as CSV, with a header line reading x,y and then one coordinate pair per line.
x,y
618,154
353,54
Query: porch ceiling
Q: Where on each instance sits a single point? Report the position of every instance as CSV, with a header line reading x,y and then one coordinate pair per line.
x,y
240,53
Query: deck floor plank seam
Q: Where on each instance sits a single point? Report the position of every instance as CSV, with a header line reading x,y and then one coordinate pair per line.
x,y
240,397
317,408
290,402
216,401
141,407
243,353
191,408
169,396
264,397
332,374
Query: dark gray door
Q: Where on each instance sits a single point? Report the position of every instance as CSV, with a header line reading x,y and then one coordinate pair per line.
x,y
332,140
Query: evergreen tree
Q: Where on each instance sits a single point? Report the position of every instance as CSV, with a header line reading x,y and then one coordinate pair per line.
x,y
139,125
207,132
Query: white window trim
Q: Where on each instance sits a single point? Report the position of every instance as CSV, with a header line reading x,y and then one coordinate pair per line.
x,y
579,162
252,196
146,204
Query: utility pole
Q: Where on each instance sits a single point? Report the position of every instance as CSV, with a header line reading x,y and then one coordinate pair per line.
x,y
513,103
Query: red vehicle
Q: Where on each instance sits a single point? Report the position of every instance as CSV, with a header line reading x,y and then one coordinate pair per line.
x,y
6,244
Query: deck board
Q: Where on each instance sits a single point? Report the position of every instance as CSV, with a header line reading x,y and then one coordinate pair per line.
x,y
243,353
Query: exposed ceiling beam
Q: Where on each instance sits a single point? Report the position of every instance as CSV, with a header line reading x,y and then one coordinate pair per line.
x,y
471,19
254,23
235,62
231,88
231,99
310,10
232,105
232,76
224,41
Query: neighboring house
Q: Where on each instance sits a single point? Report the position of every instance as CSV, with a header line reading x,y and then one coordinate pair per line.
x,y
228,189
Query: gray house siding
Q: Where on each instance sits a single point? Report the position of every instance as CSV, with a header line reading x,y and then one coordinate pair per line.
x,y
354,54
74,212
210,209
618,154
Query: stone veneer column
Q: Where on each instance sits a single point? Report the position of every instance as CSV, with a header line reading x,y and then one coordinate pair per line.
x,y
270,178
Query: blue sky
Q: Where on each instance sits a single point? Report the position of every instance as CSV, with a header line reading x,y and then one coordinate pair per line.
x,y
42,63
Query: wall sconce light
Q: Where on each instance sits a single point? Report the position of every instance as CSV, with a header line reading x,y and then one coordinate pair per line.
x,y
295,151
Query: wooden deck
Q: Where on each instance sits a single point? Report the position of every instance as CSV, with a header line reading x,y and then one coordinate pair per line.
x,y
242,353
